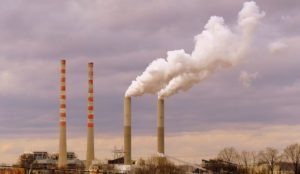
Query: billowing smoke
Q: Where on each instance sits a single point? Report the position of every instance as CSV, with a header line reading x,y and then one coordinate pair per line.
x,y
217,46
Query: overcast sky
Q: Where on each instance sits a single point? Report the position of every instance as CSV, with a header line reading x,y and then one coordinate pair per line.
x,y
260,105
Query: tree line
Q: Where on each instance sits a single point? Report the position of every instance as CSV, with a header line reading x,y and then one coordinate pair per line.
x,y
268,160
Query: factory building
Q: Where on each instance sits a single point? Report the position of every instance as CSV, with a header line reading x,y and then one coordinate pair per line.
x,y
44,160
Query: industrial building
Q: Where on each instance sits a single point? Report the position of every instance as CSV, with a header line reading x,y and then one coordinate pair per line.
x,y
44,160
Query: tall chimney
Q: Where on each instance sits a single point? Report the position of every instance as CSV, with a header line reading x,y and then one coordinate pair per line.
x,y
62,158
90,155
160,126
127,130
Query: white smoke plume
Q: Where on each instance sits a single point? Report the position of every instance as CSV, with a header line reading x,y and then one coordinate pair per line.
x,y
247,78
217,46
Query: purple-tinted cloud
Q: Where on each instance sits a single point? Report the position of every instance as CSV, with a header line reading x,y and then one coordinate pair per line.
x,y
122,39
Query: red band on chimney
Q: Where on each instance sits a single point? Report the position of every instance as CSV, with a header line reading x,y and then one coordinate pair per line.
x,y
90,116
90,125
90,108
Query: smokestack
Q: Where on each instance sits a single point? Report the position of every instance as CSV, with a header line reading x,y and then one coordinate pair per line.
x,y
127,130
160,126
90,155
62,158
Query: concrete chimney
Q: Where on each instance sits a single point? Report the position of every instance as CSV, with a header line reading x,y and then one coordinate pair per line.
x,y
90,155
127,130
62,158
160,126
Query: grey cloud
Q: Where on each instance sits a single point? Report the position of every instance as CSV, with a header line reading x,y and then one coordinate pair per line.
x,y
122,39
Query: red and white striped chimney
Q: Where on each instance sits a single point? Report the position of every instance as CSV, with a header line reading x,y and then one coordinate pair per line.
x,y
90,120
62,158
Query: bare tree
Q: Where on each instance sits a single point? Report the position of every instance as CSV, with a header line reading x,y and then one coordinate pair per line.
x,y
254,157
245,159
228,154
292,153
270,157
157,165
248,161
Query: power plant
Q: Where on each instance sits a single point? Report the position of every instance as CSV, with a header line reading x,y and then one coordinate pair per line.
x,y
90,151
179,71
218,46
